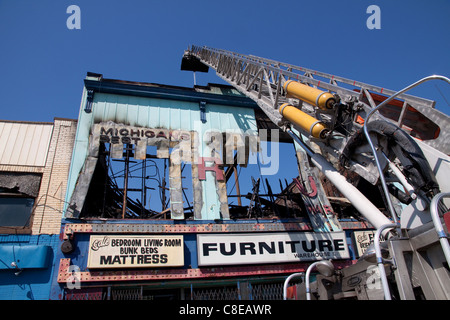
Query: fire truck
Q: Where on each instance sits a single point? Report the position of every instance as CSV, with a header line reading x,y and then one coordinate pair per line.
x,y
395,141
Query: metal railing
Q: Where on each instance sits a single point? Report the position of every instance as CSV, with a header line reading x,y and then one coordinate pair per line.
x,y
374,152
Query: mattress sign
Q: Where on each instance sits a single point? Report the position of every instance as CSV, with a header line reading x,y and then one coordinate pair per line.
x,y
109,251
229,249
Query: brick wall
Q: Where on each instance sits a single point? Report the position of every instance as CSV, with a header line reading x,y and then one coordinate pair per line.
x,y
50,201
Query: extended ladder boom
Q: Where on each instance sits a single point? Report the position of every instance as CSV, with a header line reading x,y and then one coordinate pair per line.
x,y
263,81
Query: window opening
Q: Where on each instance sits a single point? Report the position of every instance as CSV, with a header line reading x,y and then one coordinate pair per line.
x,y
253,194
130,188
18,193
15,210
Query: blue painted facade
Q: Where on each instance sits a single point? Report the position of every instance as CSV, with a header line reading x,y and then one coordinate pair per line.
x,y
35,255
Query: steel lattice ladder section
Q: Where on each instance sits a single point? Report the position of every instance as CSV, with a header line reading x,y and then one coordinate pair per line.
x,y
262,80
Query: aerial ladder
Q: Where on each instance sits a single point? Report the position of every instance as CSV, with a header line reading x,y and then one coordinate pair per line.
x,y
390,138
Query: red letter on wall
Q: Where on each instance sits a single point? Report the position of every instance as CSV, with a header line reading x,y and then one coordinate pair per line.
x,y
215,167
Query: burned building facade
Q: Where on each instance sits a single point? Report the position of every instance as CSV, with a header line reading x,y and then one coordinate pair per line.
x,y
168,196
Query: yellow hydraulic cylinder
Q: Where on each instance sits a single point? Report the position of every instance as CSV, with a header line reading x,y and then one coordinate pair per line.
x,y
313,96
310,124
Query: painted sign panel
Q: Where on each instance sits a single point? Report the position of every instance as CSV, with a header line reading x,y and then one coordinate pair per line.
x,y
229,249
363,239
118,135
110,251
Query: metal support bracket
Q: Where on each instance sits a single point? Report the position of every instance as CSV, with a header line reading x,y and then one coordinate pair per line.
x,y
202,107
89,100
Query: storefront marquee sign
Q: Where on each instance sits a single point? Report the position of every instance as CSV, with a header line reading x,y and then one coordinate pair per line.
x,y
229,249
109,251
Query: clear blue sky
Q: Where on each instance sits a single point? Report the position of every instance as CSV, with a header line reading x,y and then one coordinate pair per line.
x,y
43,63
